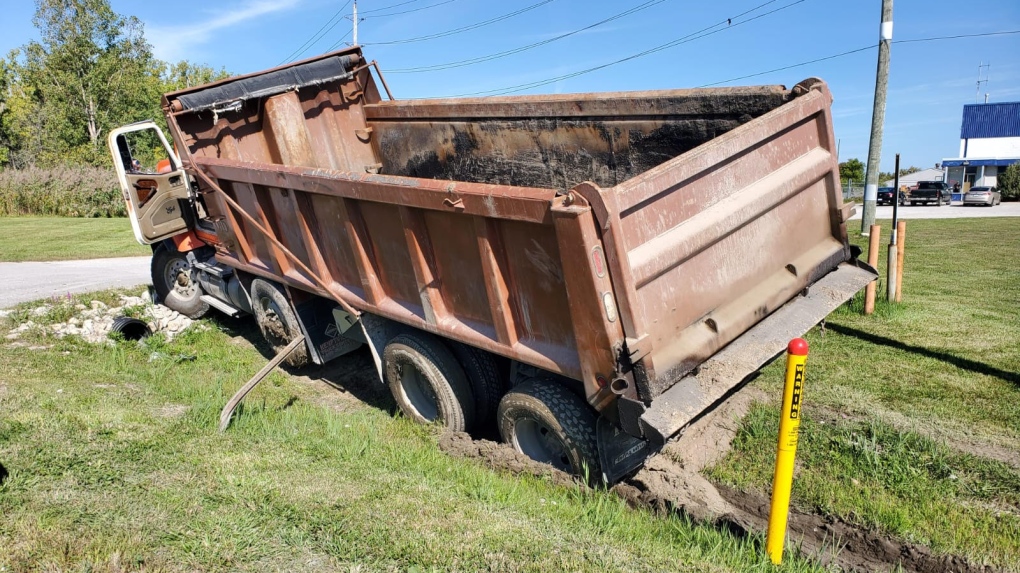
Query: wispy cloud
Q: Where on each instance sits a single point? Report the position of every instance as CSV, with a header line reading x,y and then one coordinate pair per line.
x,y
173,43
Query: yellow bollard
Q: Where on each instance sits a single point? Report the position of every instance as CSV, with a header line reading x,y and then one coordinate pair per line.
x,y
789,426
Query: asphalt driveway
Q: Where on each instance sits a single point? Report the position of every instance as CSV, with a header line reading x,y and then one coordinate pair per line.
x,y
22,282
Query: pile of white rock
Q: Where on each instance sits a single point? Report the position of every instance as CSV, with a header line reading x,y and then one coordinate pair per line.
x,y
94,322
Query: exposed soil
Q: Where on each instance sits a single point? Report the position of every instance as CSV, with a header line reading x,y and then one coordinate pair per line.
x,y
833,541
500,457
671,481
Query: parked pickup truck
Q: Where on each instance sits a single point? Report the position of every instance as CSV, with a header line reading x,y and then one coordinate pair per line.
x,y
937,192
587,272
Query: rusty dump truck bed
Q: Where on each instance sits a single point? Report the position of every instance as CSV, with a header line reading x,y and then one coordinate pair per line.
x,y
617,239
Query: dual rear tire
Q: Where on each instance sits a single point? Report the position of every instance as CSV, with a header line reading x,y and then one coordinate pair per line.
x,y
459,388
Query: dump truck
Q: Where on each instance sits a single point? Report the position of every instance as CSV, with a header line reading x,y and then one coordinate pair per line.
x,y
586,273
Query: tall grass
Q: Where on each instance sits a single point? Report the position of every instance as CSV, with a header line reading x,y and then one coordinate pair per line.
x,y
66,191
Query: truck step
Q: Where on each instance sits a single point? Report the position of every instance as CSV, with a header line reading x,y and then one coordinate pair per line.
x,y
219,305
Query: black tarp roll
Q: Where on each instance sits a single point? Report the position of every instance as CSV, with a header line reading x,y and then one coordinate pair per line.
x,y
280,81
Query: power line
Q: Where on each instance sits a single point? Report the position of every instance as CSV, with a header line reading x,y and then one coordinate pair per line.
x,y
702,33
464,28
832,57
338,42
518,50
409,11
398,4
338,16
854,51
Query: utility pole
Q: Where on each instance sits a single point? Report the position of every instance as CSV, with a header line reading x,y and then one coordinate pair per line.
x,y
877,118
355,19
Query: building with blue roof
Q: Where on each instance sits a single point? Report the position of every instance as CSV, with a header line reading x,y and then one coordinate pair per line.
x,y
989,142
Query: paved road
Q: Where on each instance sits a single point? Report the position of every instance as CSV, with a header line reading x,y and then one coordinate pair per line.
x,y
954,211
27,281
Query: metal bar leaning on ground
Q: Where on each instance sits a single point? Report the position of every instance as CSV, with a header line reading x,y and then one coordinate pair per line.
x,y
786,449
228,410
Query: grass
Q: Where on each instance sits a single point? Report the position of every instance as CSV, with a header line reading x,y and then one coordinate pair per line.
x,y
64,238
912,415
116,464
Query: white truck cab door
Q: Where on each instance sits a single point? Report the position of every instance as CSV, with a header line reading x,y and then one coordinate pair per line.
x,y
152,181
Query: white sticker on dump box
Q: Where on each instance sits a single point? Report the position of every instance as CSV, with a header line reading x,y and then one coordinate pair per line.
x,y
886,31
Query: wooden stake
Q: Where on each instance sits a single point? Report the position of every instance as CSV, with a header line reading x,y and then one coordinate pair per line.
x,y
869,291
901,241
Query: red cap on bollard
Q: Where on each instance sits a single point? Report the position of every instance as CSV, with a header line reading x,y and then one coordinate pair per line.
x,y
797,347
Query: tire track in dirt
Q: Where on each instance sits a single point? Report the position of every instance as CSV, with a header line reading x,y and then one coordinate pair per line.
x,y
671,481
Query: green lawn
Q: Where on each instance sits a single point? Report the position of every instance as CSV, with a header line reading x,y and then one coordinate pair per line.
x,y
912,427
912,415
65,238
116,464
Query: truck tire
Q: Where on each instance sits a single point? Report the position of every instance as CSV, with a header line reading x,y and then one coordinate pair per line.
x,y
427,383
548,423
276,319
175,283
487,386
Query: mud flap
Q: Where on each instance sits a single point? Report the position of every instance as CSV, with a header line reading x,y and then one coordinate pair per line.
x,y
369,330
619,452
709,384
325,340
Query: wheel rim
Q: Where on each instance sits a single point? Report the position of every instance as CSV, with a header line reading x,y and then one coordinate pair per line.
x,y
177,277
272,325
538,441
419,392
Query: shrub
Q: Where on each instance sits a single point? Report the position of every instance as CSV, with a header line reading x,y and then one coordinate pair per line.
x,y
68,191
1008,183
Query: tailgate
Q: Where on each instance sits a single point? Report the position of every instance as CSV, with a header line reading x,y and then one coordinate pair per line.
x,y
708,244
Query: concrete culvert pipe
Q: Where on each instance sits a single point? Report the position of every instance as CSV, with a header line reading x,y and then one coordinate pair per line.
x,y
130,328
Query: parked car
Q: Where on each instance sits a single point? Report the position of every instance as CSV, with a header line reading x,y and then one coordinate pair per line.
x,y
988,196
885,196
931,192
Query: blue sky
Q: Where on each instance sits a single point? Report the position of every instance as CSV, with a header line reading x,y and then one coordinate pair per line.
x,y
929,81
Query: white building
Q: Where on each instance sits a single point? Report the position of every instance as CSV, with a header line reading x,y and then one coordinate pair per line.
x,y
910,181
989,142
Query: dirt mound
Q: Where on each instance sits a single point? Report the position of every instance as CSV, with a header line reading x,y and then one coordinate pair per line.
x,y
671,481
500,457
831,540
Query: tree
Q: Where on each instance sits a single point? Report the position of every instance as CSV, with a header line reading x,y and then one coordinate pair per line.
x,y
91,71
5,95
185,74
851,170
884,176
1008,183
